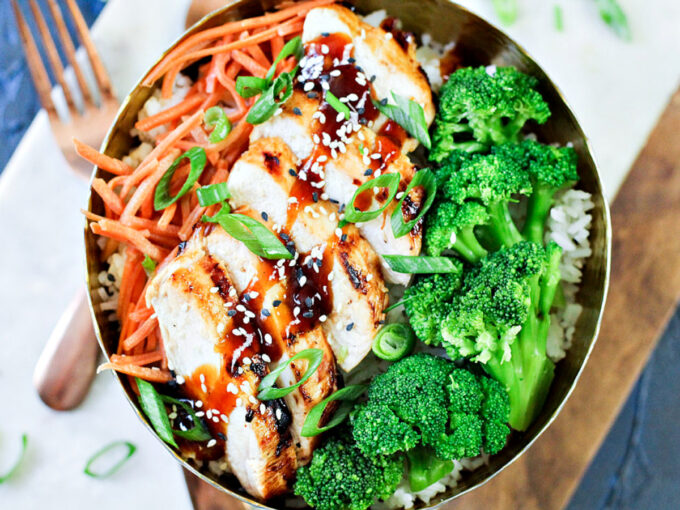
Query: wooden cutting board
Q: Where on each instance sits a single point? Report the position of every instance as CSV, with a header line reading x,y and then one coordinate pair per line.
x,y
644,291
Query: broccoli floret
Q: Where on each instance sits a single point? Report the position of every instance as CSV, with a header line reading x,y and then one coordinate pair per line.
x,y
550,169
428,302
425,401
479,107
341,477
475,192
500,319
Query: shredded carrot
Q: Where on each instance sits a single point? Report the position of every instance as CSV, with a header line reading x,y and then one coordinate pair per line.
x,y
107,163
148,374
140,359
172,113
112,200
141,333
137,238
249,63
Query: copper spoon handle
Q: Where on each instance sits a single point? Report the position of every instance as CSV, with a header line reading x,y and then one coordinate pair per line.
x,y
66,366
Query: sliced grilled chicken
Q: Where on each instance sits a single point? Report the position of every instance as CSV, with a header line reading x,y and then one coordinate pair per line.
x,y
217,357
273,297
265,180
378,54
346,171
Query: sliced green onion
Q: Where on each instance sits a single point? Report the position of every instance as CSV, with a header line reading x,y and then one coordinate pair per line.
x,y
396,305
559,18
212,194
267,391
17,463
257,238
426,179
337,105
249,86
154,408
292,47
197,159
347,395
425,468
421,264
216,118
390,181
394,341
125,447
506,10
409,115
196,433
149,265
266,105
614,16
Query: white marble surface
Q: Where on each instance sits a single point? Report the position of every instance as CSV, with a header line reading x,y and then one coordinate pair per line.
x,y
617,90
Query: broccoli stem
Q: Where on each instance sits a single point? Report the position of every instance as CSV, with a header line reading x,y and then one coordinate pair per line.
x,y
538,209
502,225
468,246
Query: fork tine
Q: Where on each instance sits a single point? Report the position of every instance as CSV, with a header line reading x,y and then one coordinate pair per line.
x,y
97,66
52,54
69,48
35,64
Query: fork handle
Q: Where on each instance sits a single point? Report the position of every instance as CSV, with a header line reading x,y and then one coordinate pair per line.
x,y
66,366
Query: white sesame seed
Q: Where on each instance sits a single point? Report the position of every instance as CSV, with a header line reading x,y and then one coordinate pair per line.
x,y
263,409
240,308
216,419
252,399
338,232
212,443
266,358
316,139
204,388
224,418
201,377
369,277
179,379
267,338
209,414
325,49
200,414
399,195
239,402
292,200
296,311
322,318
254,294
214,290
302,281
308,86
278,414
353,97
231,388
232,292
221,327
335,72
388,36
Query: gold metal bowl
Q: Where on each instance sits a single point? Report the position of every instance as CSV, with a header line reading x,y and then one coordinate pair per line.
x,y
478,42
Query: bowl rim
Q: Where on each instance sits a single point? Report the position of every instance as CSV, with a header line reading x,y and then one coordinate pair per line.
x,y
607,249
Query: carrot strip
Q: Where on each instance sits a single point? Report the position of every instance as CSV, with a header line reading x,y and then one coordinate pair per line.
x,y
116,230
132,264
172,113
141,315
249,63
167,216
146,187
276,45
140,333
112,200
141,359
297,10
259,56
146,373
107,163
190,221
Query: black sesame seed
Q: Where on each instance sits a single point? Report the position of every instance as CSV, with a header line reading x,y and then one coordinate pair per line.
x,y
343,237
334,201
372,79
351,60
264,215
360,68
349,326
298,273
381,322
315,196
325,34
276,303
363,121
246,297
292,172
110,277
319,262
231,313
361,110
383,101
312,95
291,248
285,236
221,436
309,301
297,111
308,315
368,171
265,312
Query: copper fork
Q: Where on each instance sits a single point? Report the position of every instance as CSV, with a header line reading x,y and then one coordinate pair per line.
x,y
66,367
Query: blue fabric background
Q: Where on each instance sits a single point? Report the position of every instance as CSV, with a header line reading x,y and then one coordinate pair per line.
x,y
638,467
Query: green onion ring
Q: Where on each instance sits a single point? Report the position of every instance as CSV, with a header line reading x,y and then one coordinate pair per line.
x,y
348,395
131,449
394,341
197,159
17,463
390,181
426,179
266,389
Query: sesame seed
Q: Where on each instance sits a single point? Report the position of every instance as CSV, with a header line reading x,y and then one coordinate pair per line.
x,y
297,111
265,312
292,172
278,414
239,402
308,314
325,49
369,277
216,419
267,338
201,377
221,327
322,318
231,388
204,388
231,313
368,172
263,409
198,404
266,358
343,238
252,399
276,303
399,195
308,86
292,200
214,290
241,308
296,311
224,418
338,232
200,414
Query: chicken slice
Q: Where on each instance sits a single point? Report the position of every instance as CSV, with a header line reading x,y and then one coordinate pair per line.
x,y
267,285
378,54
217,358
262,182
